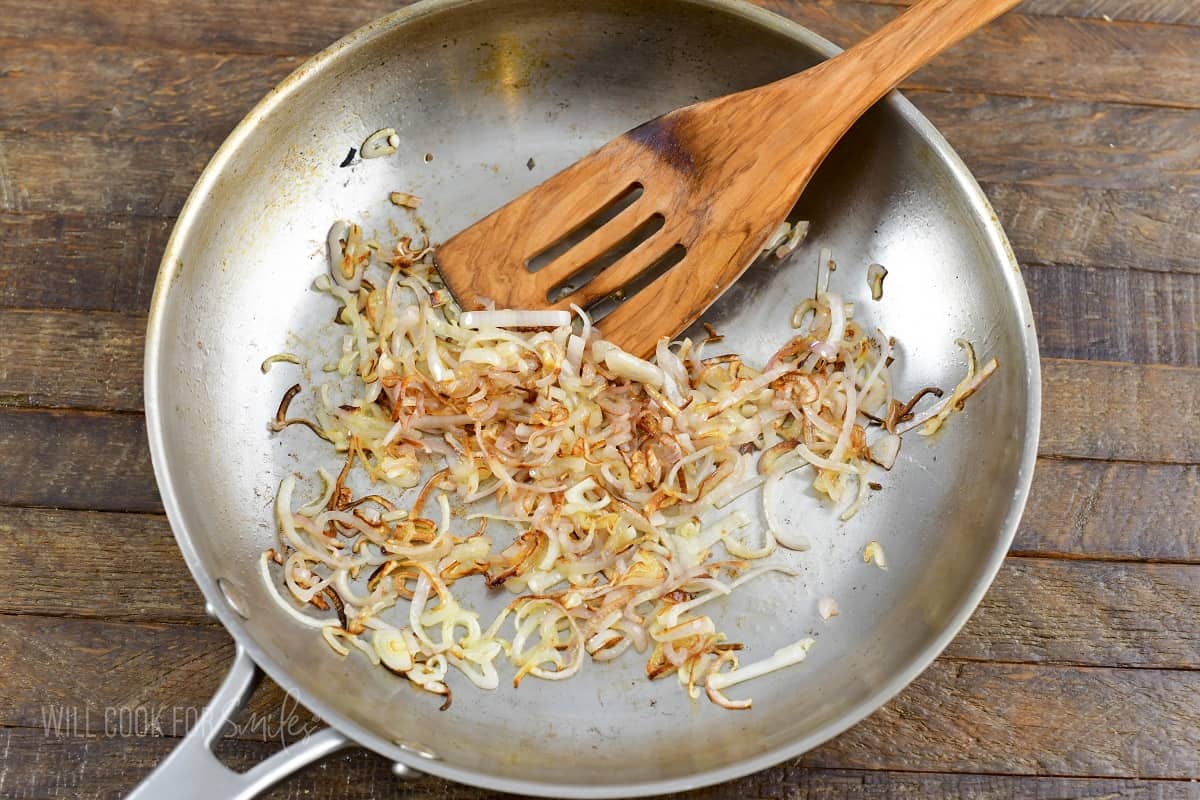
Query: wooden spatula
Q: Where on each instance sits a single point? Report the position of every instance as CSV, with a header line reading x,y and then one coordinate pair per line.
x,y
673,212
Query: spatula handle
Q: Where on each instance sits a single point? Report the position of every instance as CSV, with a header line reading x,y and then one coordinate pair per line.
x,y
876,65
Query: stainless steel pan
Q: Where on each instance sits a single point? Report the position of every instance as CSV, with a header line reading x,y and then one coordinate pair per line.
x,y
490,97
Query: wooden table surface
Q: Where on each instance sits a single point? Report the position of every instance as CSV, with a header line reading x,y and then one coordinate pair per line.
x,y
1078,677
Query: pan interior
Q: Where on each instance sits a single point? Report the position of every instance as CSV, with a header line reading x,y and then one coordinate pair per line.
x,y
489,98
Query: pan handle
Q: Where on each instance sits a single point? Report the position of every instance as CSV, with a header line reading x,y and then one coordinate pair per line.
x,y
192,772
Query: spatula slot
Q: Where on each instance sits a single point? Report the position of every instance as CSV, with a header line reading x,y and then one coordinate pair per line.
x,y
668,261
606,259
595,222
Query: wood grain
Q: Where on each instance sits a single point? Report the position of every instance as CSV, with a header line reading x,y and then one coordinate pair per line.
x,y
71,359
1122,412
129,175
77,86
1112,510
1038,610
1178,12
1005,140
1155,229
159,675
76,768
795,781
1039,52
1116,315
958,716
302,28
85,460
1081,612
1068,143
95,565
55,260
108,260
1031,720
146,99
1080,183
77,460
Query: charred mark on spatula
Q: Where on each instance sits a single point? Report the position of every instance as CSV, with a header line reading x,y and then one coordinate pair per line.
x,y
612,255
661,136
665,263
605,214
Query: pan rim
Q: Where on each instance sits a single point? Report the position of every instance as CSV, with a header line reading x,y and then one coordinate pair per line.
x,y
995,241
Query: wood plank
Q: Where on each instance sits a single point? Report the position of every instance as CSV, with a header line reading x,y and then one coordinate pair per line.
x,y
98,174
1068,143
169,661
1116,315
142,665
1038,610
75,768
1030,720
211,27
1040,53
957,717
156,678
1154,229
1077,509
1123,412
104,768
46,100
71,359
1092,410
1112,510
795,781
1171,12
1087,613
1053,192
93,360
77,460
88,360
95,565
55,89
54,260
1004,140
78,86
109,262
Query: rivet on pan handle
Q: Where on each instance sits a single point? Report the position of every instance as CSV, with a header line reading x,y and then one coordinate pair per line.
x,y
192,772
